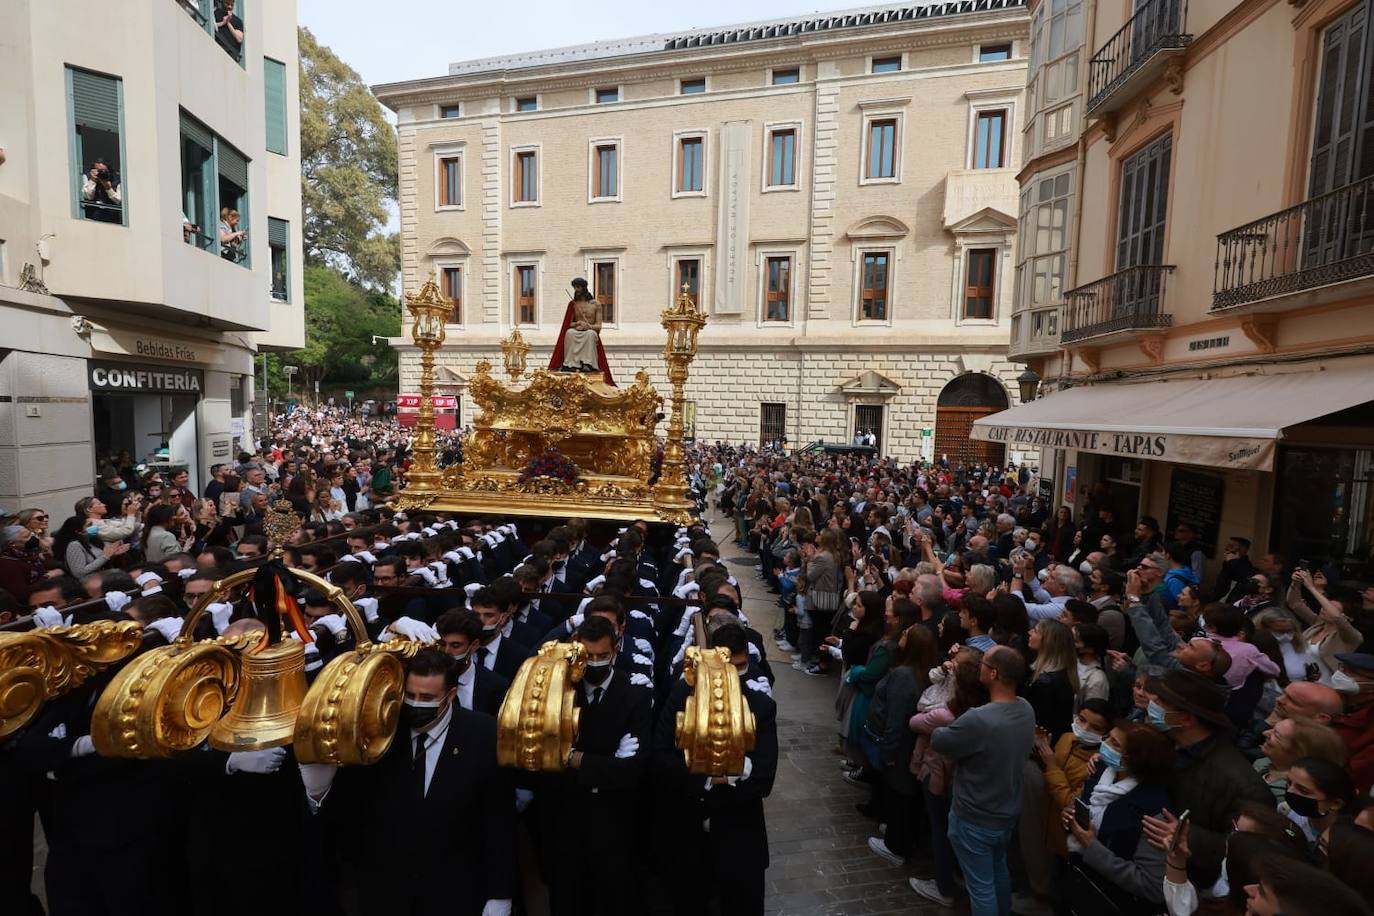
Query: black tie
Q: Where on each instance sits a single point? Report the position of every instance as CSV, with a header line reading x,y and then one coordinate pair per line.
x,y
417,766
482,656
596,695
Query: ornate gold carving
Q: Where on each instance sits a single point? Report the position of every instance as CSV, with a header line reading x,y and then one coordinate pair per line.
x,y
538,720
40,665
281,524
349,716
716,728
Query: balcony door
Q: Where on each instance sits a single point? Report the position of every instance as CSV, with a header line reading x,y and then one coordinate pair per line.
x,y
1140,230
1338,225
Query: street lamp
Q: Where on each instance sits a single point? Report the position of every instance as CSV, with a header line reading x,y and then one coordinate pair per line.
x,y
290,373
513,352
683,322
1029,384
429,310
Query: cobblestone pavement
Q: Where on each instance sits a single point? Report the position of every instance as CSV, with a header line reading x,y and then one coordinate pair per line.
x,y
820,861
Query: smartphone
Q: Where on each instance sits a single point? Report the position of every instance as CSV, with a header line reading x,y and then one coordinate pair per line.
x,y
1082,813
1178,829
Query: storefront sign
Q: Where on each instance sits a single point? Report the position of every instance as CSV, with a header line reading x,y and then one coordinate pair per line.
x,y
1212,451
132,343
135,378
412,401
219,448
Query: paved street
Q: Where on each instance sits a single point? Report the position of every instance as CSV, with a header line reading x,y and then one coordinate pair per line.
x,y
821,863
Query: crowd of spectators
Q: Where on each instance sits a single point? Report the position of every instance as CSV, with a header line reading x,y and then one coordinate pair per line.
x,y
1066,713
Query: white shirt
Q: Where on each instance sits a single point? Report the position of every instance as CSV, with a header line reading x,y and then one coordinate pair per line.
x,y
490,662
466,681
434,744
589,689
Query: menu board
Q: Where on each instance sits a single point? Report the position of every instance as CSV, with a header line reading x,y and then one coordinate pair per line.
x,y
1196,499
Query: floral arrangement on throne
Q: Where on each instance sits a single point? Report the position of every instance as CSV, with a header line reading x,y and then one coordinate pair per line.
x,y
552,464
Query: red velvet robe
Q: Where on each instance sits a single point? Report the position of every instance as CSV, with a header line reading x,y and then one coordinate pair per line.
x,y
556,361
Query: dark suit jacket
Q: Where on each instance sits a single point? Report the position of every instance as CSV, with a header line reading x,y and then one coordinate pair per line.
x,y
444,855
488,691
509,656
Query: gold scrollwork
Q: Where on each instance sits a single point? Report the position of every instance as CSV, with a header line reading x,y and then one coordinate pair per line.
x,y
716,728
538,720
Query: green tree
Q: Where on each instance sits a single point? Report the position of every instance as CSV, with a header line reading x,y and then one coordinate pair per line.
x,y
341,320
348,170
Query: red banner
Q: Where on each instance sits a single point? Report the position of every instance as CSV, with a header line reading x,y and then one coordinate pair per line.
x,y
412,401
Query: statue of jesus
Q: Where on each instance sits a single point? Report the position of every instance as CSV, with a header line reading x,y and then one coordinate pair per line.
x,y
579,346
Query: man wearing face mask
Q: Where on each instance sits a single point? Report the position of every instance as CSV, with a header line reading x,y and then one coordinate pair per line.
x,y
497,651
1354,680
1211,778
429,829
598,789
478,689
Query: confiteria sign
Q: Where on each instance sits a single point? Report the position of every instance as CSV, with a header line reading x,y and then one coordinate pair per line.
x,y
126,377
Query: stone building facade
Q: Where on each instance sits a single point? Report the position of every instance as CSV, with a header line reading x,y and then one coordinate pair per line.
x,y
838,192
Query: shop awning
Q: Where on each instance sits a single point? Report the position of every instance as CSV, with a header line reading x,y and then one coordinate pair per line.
x,y
1223,423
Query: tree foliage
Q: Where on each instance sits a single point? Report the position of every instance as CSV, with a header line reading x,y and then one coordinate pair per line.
x,y
348,170
341,318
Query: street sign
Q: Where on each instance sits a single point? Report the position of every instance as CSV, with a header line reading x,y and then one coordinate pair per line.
x,y
349,395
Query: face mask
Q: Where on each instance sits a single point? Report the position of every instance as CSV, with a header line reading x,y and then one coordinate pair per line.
x,y
558,565
122,485
597,672
416,714
1085,737
1032,545
461,662
1109,755
1158,717
92,530
1302,805
489,632
1344,683
1085,568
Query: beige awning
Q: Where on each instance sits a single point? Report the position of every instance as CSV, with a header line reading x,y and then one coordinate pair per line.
x,y
1223,423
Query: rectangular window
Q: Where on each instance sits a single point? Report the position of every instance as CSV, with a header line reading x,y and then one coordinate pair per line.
x,y
989,139
528,103
450,181
606,171
778,293
274,83
450,111
782,158
887,64
214,193
978,286
451,285
96,103
873,301
526,304
772,422
233,194
608,94
882,148
786,77
278,243
689,167
692,86
603,285
1044,238
227,25
688,279
1144,195
526,177
987,53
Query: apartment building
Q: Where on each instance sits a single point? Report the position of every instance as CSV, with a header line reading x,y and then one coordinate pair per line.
x,y
130,322
1197,267
837,190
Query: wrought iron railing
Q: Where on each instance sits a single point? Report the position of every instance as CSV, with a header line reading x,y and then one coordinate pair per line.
x,y
1129,299
1324,240
1157,26
102,212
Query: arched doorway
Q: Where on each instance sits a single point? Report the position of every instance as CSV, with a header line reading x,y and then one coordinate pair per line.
x,y
962,401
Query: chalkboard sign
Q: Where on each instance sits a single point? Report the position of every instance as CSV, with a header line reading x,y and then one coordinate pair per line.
x,y
1196,499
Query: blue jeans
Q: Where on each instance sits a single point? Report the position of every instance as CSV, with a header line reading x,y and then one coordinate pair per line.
x,y
982,854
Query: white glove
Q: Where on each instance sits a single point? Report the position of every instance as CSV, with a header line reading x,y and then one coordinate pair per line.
x,y
643,646
169,627
629,746
734,780
116,601
45,617
835,652
260,762
753,651
369,608
640,615
640,680
186,573
424,572
497,908
144,578
760,685
410,628
317,777
523,797
220,612
366,556
642,660
83,747
334,623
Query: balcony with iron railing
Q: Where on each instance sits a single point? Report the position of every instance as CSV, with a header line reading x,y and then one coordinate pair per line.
x,y
1309,248
1128,300
1137,54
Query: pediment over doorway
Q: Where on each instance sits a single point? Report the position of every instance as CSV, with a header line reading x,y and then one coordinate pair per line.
x,y
870,383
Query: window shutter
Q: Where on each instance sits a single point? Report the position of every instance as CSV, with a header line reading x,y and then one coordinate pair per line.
x,y
274,83
196,132
278,232
95,101
1333,141
232,166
